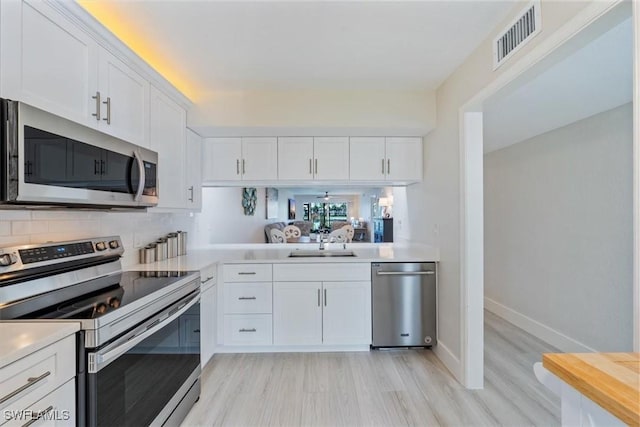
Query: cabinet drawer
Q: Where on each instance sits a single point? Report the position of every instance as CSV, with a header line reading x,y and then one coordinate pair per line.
x,y
58,408
249,329
38,374
247,272
241,298
324,272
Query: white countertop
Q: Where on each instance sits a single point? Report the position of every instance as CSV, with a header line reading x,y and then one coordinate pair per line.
x,y
202,257
19,339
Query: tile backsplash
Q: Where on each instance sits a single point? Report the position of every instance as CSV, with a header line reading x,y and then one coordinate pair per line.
x,y
135,228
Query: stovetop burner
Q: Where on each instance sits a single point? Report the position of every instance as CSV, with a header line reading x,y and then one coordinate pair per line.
x,y
119,291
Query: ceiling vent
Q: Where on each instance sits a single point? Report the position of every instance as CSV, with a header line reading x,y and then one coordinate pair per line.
x,y
516,35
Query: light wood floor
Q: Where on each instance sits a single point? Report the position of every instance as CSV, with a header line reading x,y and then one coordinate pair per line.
x,y
378,388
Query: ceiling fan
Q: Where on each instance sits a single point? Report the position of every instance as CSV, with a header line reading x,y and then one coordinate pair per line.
x,y
325,197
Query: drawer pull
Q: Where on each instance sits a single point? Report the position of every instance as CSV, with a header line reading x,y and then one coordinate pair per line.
x,y
246,298
247,273
31,381
207,280
247,330
38,417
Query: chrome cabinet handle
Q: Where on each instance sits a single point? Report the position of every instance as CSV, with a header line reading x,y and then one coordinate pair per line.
x,y
208,279
247,330
38,417
325,297
405,273
382,166
237,166
31,381
96,168
316,166
246,298
243,168
108,104
97,113
388,166
310,170
191,190
318,297
246,273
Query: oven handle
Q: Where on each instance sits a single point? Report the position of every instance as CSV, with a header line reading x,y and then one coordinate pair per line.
x,y
102,358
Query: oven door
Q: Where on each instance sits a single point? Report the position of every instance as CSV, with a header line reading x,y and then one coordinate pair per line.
x,y
149,374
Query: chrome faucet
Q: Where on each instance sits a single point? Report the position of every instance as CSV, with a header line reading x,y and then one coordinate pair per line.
x,y
321,243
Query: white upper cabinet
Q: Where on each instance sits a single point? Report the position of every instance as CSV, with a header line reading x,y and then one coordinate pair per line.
x,y
194,171
259,159
295,158
319,158
367,159
167,134
404,159
393,159
46,61
331,158
124,96
240,159
221,159
49,62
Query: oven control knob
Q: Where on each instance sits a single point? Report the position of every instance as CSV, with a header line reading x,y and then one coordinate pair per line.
x,y
7,260
114,244
101,246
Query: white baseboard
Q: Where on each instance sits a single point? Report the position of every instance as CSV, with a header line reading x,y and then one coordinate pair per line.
x,y
537,329
450,361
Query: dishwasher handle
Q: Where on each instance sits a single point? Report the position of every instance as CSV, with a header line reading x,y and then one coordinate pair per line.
x,y
405,273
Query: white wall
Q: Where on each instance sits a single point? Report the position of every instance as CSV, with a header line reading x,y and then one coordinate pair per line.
x,y
135,228
223,220
315,113
558,230
433,206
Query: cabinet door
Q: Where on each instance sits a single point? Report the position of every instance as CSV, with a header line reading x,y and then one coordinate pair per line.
x,y
367,160
346,313
295,158
221,159
404,159
125,99
297,313
208,323
168,136
46,61
194,170
259,159
331,158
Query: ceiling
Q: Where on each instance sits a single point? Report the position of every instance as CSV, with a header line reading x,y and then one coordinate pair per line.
x,y
209,46
595,78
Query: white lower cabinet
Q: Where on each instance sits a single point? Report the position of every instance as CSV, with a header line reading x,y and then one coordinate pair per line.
x,y
42,382
346,313
330,313
297,313
208,314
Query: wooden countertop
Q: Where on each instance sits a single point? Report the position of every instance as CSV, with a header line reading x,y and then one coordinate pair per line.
x,y
612,380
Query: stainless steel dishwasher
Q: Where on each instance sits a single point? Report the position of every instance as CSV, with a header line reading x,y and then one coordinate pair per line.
x,y
403,304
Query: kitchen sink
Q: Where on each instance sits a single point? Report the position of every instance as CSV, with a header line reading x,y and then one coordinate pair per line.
x,y
321,253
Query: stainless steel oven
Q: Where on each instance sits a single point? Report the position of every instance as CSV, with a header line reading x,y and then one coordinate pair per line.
x,y
138,360
50,161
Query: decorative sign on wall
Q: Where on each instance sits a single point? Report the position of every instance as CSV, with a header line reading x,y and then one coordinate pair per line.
x,y
249,199
272,203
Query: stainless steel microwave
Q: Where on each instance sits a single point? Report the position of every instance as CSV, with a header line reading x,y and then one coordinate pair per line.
x,y
47,160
